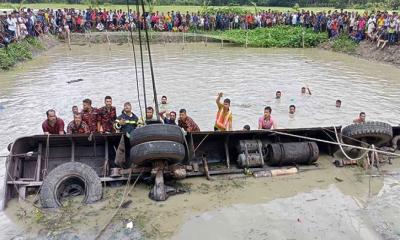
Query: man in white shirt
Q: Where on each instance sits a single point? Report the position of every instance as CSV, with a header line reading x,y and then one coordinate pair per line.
x,y
12,24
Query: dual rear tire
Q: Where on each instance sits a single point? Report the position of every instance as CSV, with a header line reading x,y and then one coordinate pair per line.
x,y
157,142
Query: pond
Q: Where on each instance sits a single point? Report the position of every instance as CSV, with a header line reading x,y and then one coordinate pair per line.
x,y
191,76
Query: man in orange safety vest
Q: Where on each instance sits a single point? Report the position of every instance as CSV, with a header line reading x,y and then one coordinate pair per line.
x,y
223,120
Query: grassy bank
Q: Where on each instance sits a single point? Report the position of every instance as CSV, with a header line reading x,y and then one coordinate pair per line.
x,y
280,37
17,52
164,8
344,44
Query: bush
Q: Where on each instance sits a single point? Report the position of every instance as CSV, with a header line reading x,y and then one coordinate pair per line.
x,y
19,51
344,43
279,36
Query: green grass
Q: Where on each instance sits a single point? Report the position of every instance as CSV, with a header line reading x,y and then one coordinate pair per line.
x,y
279,37
345,44
156,8
17,52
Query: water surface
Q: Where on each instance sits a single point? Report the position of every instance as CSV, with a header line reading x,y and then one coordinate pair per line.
x,y
191,75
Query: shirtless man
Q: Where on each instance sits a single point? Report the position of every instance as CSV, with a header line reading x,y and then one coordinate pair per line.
x,y
360,119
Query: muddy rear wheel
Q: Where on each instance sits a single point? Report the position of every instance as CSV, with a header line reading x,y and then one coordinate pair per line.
x,y
377,133
70,180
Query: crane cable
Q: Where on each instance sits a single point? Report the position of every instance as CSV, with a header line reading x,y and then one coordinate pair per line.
x,y
134,58
151,66
141,52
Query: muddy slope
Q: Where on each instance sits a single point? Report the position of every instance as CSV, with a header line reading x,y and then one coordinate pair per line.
x,y
390,54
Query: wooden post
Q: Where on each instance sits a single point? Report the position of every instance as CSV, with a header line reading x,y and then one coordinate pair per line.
x,y
108,40
69,40
247,37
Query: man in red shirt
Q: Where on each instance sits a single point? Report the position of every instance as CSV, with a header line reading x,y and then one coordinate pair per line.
x,y
53,125
108,115
90,116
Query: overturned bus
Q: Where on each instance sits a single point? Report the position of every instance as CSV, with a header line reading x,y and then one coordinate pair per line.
x,y
60,166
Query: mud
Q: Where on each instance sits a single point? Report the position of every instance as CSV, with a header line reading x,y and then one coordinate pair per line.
x,y
230,208
369,51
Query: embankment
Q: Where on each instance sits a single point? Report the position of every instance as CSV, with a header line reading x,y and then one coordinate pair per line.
x,y
25,49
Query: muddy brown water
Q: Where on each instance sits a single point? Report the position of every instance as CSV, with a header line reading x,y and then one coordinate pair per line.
x,y
310,205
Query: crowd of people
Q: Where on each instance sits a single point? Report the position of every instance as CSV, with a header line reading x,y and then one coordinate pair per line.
x,y
106,120
382,27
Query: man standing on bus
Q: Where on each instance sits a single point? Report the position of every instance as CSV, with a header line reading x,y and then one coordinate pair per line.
x,y
223,120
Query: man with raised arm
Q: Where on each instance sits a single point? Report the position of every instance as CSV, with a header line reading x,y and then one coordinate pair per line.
x,y
223,120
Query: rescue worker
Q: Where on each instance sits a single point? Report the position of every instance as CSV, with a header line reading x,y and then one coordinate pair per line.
x,y
75,110
77,126
107,115
53,124
187,122
360,119
127,121
90,116
223,120
266,121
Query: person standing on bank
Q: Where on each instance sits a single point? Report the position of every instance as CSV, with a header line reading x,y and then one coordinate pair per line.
x,y
223,120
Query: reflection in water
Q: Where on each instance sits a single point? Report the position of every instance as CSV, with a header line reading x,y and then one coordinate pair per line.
x,y
191,78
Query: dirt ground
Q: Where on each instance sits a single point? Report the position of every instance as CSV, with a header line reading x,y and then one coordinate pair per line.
x,y
227,207
388,55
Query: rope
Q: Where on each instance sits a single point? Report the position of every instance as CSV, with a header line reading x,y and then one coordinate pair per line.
x,y
134,58
345,154
353,139
329,142
200,143
126,193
